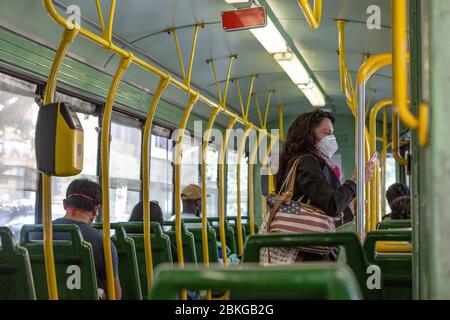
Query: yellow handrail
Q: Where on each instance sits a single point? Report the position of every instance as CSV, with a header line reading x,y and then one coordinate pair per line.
x,y
267,108
315,17
375,187
383,165
138,61
264,165
180,57
258,109
227,81
241,149
67,38
206,137
400,72
223,150
238,89
187,81
106,123
251,169
109,32
280,115
100,15
178,154
146,179
249,97
395,140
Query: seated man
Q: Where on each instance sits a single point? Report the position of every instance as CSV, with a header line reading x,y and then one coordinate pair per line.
x,y
393,192
192,205
83,200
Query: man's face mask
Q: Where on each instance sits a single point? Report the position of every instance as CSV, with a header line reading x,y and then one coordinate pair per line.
x,y
328,146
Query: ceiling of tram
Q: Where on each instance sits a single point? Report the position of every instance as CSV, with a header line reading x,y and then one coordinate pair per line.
x,y
143,23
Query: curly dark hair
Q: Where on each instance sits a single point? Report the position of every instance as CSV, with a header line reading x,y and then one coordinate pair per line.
x,y
83,194
401,208
395,191
300,139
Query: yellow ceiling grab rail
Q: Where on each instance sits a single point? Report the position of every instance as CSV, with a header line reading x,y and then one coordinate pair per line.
x,y
67,38
314,17
400,75
54,14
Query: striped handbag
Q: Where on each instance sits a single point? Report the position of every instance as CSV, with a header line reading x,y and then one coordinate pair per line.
x,y
288,216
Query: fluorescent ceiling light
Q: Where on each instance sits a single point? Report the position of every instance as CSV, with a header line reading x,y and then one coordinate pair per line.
x,y
236,1
293,67
270,38
314,95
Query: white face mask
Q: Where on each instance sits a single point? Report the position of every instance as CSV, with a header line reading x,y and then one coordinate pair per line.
x,y
328,145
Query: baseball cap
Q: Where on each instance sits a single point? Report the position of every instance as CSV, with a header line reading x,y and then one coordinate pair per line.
x,y
191,192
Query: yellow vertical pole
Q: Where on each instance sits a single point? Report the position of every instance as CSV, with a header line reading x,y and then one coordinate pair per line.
x,y
206,137
213,67
191,60
273,140
383,165
227,81
146,179
106,123
109,32
267,108
251,170
238,88
249,97
223,151
241,150
258,109
280,116
180,57
178,154
67,38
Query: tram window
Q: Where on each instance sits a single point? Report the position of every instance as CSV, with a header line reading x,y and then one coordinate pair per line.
x,y
125,166
212,187
190,163
18,115
232,184
60,184
161,173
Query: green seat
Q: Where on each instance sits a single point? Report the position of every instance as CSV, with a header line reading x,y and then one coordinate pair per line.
x,y
212,242
229,234
188,242
232,221
16,278
306,281
353,250
396,267
394,224
161,250
74,263
128,267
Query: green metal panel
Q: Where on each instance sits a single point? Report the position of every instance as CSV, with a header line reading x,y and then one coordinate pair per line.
x,y
434,164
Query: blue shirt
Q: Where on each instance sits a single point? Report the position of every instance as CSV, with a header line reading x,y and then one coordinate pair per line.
x,y
95,238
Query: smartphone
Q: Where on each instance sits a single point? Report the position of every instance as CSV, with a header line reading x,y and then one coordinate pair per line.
x,y
373,157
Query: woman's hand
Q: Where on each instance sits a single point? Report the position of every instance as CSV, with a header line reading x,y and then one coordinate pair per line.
x,y
368,172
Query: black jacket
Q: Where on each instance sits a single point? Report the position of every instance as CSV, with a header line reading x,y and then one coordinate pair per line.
x,y
320,185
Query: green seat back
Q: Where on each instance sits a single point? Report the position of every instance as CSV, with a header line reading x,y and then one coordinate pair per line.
x,y
189,252
16,278
394,224
197,232
353,250
396,267
74,261
128,267
161,250
304,281
229,233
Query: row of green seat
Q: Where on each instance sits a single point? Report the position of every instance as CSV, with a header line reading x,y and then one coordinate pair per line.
x,y
77,252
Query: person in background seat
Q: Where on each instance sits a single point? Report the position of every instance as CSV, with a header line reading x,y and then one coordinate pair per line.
x,y
395,191
401,208
83,200
191,196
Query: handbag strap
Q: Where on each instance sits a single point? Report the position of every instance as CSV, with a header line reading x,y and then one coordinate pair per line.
x,y
287,195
